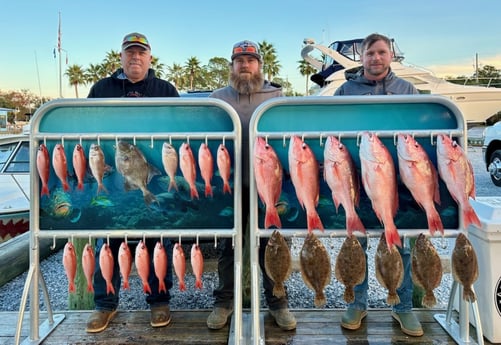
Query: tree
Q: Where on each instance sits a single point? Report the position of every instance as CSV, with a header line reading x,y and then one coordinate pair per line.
x,y
271,65
175,73
112,62
158,67
192,68
95,73
306,70
76,76
218,72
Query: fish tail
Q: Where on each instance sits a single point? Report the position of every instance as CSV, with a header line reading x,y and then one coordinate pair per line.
x,y
320,299
182,286
194,192
198,283
100,187
126,284
429,300
349,295
392,298
272,218
208,191
66,187
353,223
90,288
468,294
392,237
109,288
161,287
470,217
434,221
146,288
71,287
279,290
80,185
45,190
149,198
314,221
172,184
226,188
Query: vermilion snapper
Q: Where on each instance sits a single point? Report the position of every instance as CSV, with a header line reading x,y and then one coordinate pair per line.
x,y
341,175
380,184
179,265
170,163
224,167
60,165
125,263
188,168
268,174
43,167
197,264
106,262
420,177
79,165
88,265
456,171
206,164
142,261
70,265
305,177
160,265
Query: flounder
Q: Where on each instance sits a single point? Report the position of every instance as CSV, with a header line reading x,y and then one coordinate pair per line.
x,y
350,266
277,262
426,268
465,266
389,269
315,267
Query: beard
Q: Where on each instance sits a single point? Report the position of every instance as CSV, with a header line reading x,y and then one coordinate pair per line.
x,y
245,84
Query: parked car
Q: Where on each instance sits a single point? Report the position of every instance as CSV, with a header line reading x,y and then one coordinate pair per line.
x,y
492,152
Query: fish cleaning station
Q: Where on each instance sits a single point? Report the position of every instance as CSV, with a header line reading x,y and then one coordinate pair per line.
x,y
148,123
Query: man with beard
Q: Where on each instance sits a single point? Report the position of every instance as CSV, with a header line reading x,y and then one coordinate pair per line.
x,y
247,90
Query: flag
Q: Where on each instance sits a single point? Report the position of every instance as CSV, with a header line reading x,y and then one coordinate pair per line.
x,y
59,35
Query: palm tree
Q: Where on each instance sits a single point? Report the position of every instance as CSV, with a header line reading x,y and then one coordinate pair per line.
x,y
193,69
306,70
271,66
95,73
176,75
112,62
157,66
76,76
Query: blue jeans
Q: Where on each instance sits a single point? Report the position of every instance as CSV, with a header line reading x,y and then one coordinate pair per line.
x,y
105,301
404,291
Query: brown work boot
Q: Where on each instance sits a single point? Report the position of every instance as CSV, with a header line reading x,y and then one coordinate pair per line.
x,y
284,319
218,317
160,316
99,320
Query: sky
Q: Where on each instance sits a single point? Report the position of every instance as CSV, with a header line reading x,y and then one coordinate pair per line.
x,y
444,37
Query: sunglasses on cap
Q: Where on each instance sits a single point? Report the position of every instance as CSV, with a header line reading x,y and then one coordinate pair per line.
x,y
135,39
245,47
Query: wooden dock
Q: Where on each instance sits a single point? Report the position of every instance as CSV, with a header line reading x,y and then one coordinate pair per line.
x,y
188,327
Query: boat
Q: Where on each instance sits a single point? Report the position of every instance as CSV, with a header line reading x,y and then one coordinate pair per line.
x,y
476,103
14,185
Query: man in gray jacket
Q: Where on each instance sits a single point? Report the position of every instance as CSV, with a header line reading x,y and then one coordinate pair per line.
x,y
376,78
247,90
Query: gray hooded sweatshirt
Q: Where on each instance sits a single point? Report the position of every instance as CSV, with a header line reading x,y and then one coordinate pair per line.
x,y
357,84
244,105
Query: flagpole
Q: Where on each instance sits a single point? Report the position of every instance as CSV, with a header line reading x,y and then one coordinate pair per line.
x,y
59,52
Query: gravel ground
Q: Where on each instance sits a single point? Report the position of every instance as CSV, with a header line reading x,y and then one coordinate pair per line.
x,y
299,295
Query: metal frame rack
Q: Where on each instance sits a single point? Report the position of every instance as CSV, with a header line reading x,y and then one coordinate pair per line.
x,y
315,118
147,122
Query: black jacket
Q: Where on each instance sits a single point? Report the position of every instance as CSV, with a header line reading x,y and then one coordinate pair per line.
x,y
118,87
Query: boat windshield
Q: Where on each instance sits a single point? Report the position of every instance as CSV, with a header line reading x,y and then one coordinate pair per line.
x,y
15,157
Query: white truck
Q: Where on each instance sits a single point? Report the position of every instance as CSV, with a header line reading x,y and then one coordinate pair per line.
x,y
491,150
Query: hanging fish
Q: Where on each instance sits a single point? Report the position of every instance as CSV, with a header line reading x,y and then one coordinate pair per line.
x,y
88,265
315,267
70,265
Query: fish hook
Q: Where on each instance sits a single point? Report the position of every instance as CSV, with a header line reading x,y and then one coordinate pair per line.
x,y
98,140
125,239
152,145
108,239
80,140
395,138
170,139
339,137
207,140
62,142
224,138
90,239
134,140
359,135
179,241
144,237
284,141
233,241
162,238
321,142
116,141
302,137
197,239
53,246
188,139
215,241
45,141
431,139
